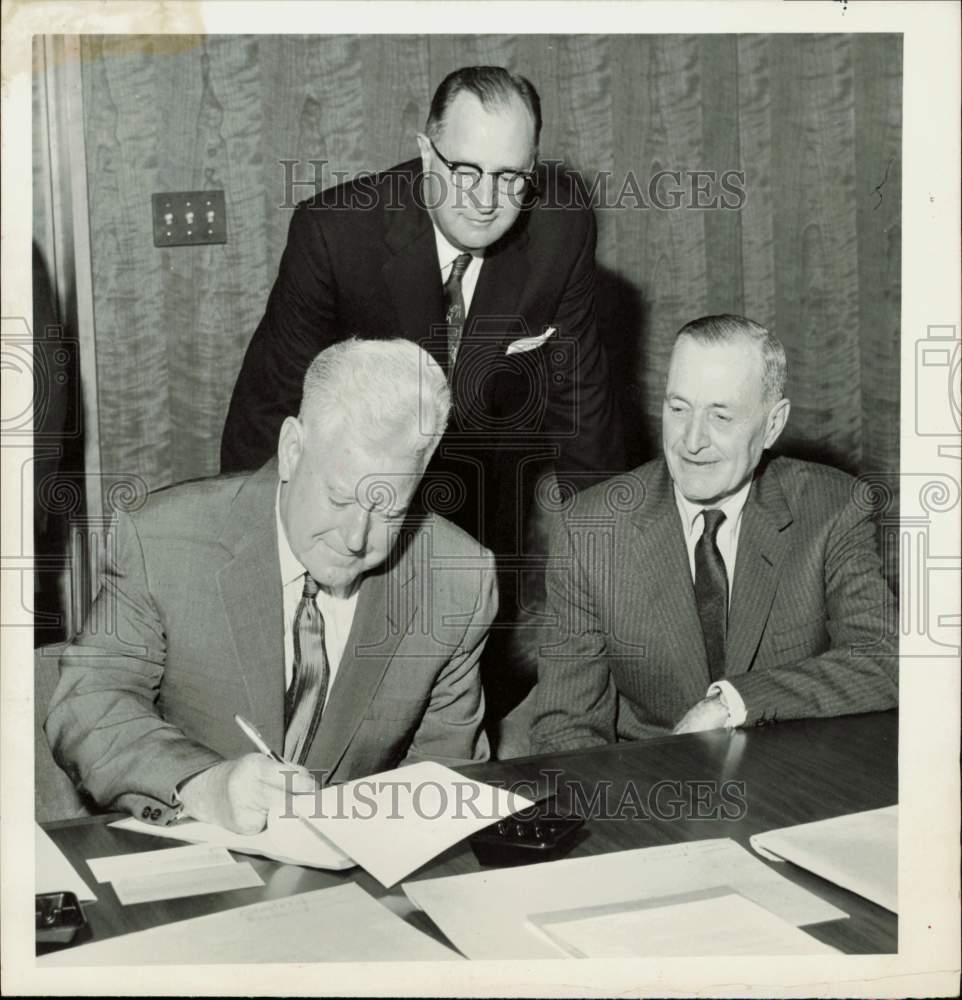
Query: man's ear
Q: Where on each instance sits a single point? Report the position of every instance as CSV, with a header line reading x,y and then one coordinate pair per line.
x,y
776,421
290,444
424,145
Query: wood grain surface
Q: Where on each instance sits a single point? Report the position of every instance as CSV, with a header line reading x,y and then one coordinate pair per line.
x,y
814,251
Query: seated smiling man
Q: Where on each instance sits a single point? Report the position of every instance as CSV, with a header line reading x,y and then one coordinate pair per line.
x,y
303,597
713,587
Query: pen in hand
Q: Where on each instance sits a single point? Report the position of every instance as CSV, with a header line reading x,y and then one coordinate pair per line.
x,y
250,731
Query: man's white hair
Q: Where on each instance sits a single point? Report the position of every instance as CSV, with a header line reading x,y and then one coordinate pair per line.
x,y
379,391
727,328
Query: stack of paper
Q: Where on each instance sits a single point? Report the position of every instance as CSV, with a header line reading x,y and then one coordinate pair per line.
x,y
485,914
343,924
721,923
858,852
148,876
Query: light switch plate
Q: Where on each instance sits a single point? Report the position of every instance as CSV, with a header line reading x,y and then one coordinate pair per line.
x,y
189,218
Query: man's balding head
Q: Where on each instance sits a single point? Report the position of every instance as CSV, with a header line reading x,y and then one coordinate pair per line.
x,y
493,87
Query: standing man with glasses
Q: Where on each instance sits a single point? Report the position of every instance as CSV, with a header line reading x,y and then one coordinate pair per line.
x,y
486,259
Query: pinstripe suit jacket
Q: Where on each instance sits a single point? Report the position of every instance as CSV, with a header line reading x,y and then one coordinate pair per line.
x,y
187,629
811,619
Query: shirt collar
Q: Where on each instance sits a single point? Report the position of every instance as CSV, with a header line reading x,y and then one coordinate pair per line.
x,y
291,568
732,506
447,253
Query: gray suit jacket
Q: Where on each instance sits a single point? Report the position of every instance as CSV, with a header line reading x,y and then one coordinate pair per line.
x,y
187,629
811,619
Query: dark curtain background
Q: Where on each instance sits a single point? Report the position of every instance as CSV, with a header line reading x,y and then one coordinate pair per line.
x,y
813,122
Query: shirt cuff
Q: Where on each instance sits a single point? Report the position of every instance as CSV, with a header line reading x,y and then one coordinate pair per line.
x,y
732,700
180,811
178,803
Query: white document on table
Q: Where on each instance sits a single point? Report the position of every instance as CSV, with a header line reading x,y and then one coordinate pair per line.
x,y
144,863
484,914
53,872
191,882
287,838
722,923
859,852
342,924
394,822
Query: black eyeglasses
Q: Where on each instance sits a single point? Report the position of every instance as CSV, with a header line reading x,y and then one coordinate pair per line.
x,y
467,176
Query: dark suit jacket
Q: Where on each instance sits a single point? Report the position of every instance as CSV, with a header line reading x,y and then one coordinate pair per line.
x,y
811,620
361,259
187,629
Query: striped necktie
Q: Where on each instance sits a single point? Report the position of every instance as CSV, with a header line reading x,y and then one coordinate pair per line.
x,y
711,593
454,303
305,696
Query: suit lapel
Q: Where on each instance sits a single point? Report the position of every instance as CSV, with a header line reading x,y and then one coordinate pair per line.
x,y
250,588
500,284
763,544
384,609
412,274
493,321
661,551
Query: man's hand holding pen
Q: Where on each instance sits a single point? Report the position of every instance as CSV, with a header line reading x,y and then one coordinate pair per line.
x,y
238,794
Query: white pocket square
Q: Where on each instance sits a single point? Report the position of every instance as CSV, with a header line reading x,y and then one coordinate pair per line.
x,y
529,343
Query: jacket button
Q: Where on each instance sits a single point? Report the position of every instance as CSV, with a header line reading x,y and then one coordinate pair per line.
x,y
155,814
145,812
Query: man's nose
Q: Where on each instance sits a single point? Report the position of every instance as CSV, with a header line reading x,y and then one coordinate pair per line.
x,y
696,433
485,195
355,532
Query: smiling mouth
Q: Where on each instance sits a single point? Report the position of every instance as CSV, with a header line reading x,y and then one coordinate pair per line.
x,y
345,557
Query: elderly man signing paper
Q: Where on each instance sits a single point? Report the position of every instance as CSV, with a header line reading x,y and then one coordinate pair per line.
x,y
304,597
713,587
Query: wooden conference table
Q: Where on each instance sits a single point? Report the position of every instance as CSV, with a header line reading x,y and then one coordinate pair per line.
x,y
683,788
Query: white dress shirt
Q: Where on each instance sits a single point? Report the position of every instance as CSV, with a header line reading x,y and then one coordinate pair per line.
x,y
693,525
338,612
447,255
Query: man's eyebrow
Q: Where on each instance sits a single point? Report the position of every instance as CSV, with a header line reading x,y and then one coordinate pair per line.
x,y
518,170
497,170
677,396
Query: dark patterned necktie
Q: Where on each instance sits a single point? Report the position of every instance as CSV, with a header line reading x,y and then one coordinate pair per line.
x,y
711,593
454,303
305,696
